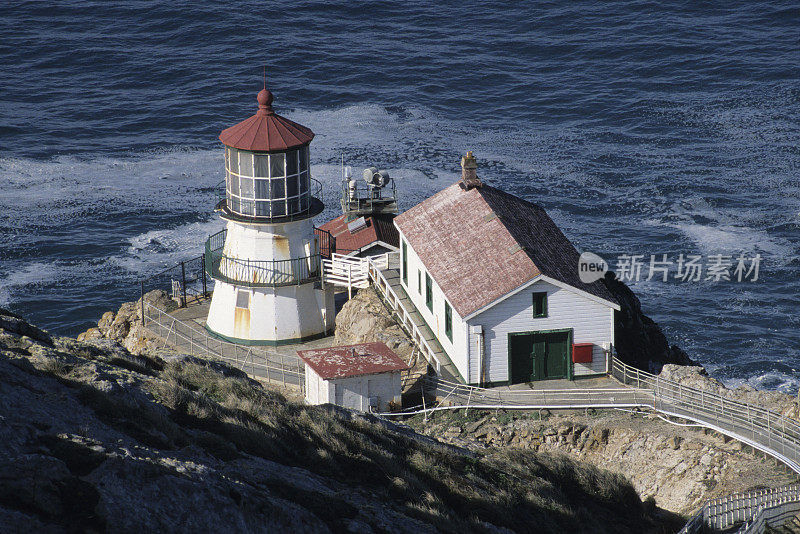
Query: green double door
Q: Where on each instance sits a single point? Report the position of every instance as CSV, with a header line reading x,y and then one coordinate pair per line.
x,y
539,355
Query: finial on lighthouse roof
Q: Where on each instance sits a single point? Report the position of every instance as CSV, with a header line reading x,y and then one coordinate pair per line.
x,y
266,131
265,100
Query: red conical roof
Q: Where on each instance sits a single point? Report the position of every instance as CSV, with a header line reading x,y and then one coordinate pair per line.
x,y
266,131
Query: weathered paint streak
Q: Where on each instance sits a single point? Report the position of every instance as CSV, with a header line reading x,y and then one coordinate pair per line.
x,y
281,247
241,323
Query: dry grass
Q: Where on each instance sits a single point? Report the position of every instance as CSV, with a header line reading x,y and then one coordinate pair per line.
x,y
439,485
230,416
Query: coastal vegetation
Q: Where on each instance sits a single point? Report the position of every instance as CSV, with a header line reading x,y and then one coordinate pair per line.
x,y
96,438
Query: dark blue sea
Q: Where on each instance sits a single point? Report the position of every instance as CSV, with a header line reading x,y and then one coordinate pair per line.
x,y
642,127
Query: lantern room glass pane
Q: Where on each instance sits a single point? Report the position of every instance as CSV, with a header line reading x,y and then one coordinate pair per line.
x,y
233,186
291,186
278,190
261,165
303,155
262,189
262,209
246,187
278,208
245,163
277,165
234,161
248,207
303,203
304,182
235,204
294,206
291,162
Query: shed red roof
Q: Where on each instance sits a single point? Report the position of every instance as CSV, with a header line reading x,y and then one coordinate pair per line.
x,y
378,228
266,131
481,243
352,360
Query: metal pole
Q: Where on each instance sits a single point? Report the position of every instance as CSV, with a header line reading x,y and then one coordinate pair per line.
x,y
424,409
183,277
349,282
203,268
141,287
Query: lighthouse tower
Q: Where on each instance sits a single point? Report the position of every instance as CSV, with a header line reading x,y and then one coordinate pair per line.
x,y
266,263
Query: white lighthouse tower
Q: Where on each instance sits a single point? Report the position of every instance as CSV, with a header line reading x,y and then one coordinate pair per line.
x,y
266,263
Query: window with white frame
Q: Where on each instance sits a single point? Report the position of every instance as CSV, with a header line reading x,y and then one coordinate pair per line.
x,y
242,299
267,185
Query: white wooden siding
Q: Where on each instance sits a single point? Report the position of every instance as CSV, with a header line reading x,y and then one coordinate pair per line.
x,y
355,391
591,322
457,349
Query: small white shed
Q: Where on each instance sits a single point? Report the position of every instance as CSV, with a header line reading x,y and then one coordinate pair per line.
x,y
362,377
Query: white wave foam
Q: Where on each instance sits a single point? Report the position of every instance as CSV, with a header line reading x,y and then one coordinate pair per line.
x,y
771,380
732,239
724,231
27,276
65,188
163,248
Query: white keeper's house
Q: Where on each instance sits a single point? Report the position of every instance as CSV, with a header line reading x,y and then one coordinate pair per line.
x,y
497,283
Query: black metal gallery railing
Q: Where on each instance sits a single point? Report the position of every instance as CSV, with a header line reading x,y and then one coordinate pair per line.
x,y
258,273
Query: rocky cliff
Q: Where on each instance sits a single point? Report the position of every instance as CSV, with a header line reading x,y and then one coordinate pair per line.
x,y
679,467
364,319
94,438
125,326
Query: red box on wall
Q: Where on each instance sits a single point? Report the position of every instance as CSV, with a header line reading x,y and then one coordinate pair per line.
x,y
582,352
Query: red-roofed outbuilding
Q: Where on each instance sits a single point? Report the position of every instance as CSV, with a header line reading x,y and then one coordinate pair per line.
x,y
361,377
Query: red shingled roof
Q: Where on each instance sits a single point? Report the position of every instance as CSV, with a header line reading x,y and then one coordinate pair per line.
x,y
352,360
266,131
482,243
378,228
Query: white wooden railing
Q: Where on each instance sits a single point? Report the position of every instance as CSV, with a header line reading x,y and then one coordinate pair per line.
x,y
345,271
400,312
753,510
350,271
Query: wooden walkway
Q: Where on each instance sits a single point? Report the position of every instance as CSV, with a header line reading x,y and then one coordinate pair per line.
x,y
447,369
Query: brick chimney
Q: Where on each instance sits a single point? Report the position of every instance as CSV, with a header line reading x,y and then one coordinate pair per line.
x,y
469,172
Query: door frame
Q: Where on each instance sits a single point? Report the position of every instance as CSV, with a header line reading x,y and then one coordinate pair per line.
x,y
570,373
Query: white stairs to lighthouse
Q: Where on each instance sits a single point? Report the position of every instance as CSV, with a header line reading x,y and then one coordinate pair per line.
x,y
351,271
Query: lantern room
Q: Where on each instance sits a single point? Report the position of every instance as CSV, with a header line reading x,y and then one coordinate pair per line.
x,y
267,175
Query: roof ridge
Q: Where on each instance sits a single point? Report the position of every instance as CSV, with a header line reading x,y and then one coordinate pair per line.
x,y
278,131
291,125
266,127
248,127
504,225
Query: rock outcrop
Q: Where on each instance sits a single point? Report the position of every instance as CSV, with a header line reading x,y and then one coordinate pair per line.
x,y
125,326
639,340
94,439
679,467
364,319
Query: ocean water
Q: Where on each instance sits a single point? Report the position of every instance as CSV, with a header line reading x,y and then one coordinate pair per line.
x,y
642,127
